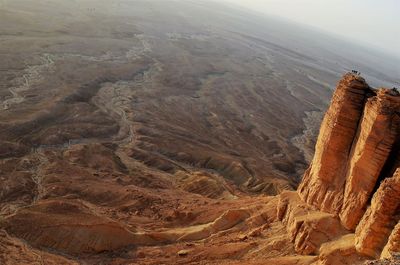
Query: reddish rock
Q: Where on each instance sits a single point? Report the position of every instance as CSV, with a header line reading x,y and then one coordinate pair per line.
x,y
378,131
378,222
69,227
88,199
340,251
393,245
357,146
323,182
307,228
14,251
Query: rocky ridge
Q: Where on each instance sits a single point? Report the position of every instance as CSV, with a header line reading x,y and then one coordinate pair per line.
x,y
93,203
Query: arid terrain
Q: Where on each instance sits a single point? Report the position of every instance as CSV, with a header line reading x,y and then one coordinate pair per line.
x,y
160,132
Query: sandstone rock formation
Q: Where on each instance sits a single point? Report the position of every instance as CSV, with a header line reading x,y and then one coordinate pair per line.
x,y
15,251
353,177
323,182
378,222
308,228
393,245
97,203
378,132
81,231
340,251
130,134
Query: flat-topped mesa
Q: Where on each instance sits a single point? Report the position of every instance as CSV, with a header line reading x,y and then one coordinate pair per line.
x,y
323,183
378,131
377,224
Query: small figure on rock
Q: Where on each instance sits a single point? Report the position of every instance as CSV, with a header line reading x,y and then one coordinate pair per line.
x,y
355,72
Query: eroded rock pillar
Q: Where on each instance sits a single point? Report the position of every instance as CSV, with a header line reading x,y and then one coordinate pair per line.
x,y
323,183
378,131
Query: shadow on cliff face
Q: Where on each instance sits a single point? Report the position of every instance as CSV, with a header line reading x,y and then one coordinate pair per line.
x,y
392,163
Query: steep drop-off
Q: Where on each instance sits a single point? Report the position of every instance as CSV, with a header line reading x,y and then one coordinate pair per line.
x,y
94,203
353,177
323,182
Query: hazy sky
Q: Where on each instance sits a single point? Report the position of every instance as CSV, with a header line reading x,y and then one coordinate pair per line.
x,y
372,22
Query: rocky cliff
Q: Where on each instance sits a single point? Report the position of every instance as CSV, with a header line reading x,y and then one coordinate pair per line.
x,y
323,182
93,203
352,180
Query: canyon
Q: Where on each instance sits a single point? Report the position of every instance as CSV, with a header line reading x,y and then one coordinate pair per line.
x,y
345,211
138,132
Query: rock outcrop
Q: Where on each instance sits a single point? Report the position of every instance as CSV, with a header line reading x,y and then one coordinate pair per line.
x,y
378,131
307,228
393,245
81,231
15,251
340,251
93,201
378,222
323,182
352,183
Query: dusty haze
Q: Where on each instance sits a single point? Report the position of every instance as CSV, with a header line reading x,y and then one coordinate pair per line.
x,y
370,23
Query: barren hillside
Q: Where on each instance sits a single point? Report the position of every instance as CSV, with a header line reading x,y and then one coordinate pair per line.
x,y
138,132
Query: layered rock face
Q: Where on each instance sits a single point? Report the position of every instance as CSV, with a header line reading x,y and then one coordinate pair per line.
x,y
393,245
374,229
94,203
81,230
377,134
352,180
323,182
308,228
